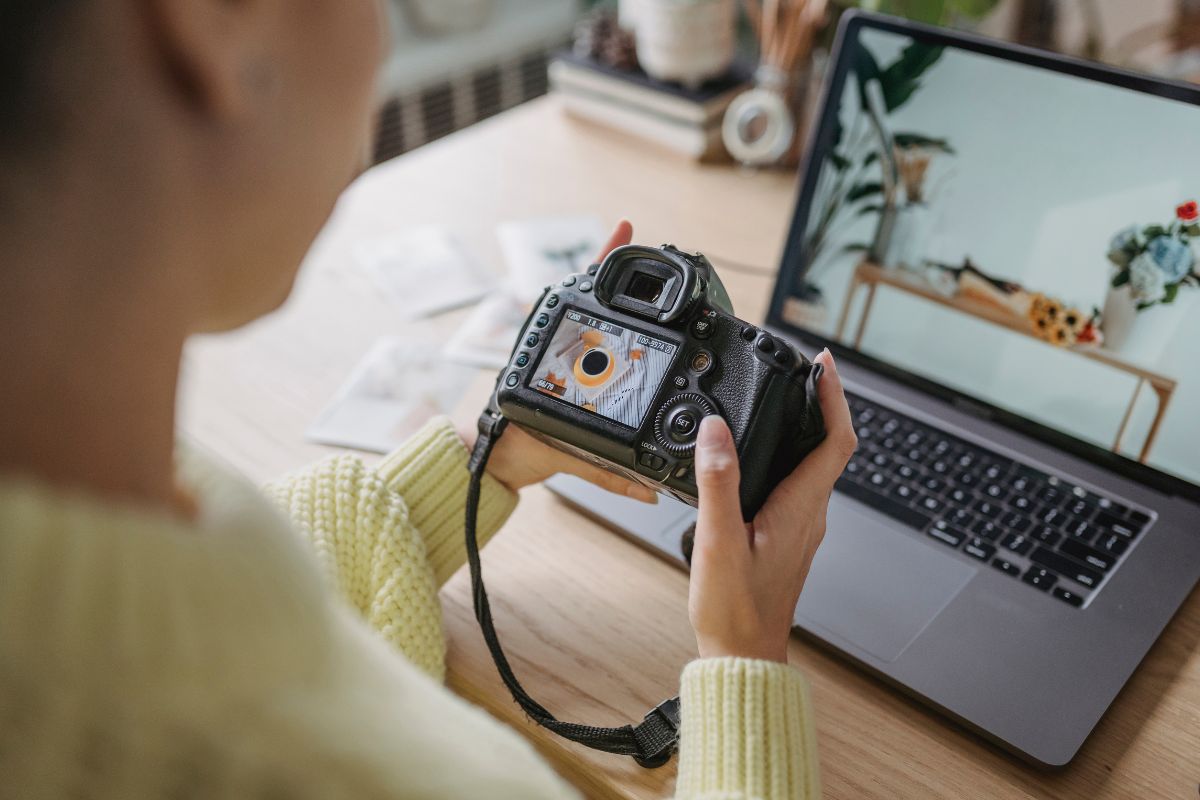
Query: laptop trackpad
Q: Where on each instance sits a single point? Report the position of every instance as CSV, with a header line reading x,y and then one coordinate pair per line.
x,y
875,587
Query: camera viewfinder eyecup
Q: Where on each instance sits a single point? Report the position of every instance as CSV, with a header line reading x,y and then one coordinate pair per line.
x,y
662,285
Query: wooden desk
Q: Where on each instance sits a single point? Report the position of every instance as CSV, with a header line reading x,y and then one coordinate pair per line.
x,y
873,276
597,627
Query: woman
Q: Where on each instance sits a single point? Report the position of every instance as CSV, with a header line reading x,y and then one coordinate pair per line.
x,y
164,631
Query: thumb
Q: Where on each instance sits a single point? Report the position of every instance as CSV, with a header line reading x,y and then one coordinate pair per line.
x,y
718,477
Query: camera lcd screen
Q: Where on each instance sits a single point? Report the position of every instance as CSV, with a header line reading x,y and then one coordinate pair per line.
x,y
604,368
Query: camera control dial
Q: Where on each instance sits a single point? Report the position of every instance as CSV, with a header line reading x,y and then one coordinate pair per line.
x,y
678,422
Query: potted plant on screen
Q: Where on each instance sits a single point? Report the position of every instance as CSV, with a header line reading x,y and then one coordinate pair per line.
x,y
1152,285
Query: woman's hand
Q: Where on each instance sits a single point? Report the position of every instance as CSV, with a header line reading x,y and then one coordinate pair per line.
x,y
520,460
746,579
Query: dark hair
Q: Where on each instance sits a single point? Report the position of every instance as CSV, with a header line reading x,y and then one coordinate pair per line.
x,y
27,27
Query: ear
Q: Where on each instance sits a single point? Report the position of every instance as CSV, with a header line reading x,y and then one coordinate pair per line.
x,y
215,52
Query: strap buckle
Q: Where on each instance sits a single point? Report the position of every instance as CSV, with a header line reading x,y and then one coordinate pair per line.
x,y
658,734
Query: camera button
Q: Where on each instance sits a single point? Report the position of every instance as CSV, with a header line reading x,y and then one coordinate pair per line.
x,y
703,328
684,423
569,281
522,360
701,362
680,382
652,461
586,286
766,344
783,356
749,333
593,269
532,339
552,301
542,321
512,380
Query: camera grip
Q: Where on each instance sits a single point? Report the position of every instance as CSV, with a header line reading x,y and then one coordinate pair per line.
x,y
787,427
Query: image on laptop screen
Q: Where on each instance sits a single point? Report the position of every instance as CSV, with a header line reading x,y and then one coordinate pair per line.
x,y
1019,235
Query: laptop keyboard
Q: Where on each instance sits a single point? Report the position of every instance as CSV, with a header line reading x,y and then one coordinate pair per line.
x,y
1035,527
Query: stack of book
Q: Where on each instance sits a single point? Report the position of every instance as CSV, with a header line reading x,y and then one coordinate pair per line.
x,y
684,120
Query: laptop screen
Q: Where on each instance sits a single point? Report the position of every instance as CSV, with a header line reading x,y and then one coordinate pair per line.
x,y
1011,228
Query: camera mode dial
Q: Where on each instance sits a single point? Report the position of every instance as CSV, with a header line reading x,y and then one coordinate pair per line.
x,y
678,422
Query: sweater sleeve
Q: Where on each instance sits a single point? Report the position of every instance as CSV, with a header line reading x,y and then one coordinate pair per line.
x,y
390,537
747,732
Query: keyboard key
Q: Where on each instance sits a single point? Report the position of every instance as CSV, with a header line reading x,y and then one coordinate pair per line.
x,y
1017,543
878,480
1068,568
986,529
947,534
932,484
1053,517
994,472
1016,522
885,505
1126,528
1021,503
940,466
931,504
1039,578
1082,530
1051,496
1088,555
979,548
966,479
1067,596
1139,518
1046,535
1020,483
1112,544
1080,509
1006,567
903,491
881,460
960,496
1113,506
962,518
995,491
987,509
906,472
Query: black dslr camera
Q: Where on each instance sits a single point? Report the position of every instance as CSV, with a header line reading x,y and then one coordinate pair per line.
x,y
619,365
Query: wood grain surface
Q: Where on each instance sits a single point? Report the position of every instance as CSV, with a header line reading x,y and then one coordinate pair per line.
x,y
596,627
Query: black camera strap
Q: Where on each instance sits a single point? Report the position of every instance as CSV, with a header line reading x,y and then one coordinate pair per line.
x,y
652,741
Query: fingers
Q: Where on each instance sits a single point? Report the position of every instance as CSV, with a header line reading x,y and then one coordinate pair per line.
x,y
718,476
612,482
819,471
621,236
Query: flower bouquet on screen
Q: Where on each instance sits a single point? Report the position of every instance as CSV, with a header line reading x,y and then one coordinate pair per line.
x,y
1152,285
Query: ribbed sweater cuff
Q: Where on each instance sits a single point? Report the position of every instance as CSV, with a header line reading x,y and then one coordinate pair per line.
x,y
430,472
747,732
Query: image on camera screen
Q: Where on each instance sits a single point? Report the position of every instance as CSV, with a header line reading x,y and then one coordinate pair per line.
x,y
603,368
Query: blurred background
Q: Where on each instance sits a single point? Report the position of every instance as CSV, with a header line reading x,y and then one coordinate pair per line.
x,y
457,62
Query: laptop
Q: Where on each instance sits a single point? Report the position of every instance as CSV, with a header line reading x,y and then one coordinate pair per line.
x,y
1022,517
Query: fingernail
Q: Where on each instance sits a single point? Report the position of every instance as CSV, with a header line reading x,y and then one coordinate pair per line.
x,y
713,432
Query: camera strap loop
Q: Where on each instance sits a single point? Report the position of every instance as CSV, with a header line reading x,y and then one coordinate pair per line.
x,y
652,741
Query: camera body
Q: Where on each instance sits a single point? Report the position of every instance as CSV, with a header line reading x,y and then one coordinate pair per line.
x,y
618,366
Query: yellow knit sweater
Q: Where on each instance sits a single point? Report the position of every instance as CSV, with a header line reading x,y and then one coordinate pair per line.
x,y
142,657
